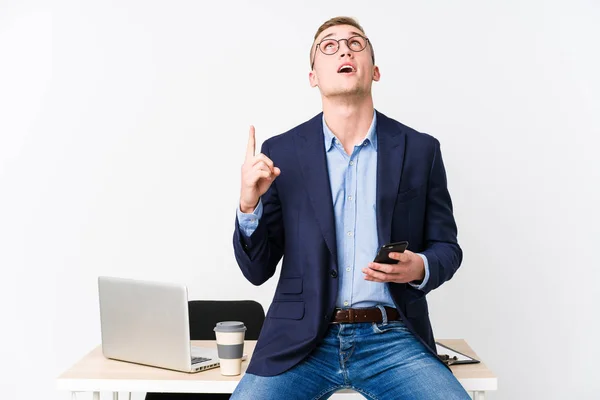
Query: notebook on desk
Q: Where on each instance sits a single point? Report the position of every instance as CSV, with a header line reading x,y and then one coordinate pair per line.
x,y
453,356
148,323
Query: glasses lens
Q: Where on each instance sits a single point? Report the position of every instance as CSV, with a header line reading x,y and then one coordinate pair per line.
x,y
357,43
329,46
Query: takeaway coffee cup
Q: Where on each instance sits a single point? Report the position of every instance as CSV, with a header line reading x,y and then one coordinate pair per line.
x,y
230,345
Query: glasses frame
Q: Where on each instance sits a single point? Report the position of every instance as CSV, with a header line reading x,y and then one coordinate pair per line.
x,y
318,46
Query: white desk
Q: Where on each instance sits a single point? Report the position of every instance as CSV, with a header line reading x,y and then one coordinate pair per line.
x,y
95,373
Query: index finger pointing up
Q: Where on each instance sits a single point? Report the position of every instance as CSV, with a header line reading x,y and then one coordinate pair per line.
x,y
251,144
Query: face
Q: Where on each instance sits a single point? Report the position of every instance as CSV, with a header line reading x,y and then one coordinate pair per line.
x,y
347,72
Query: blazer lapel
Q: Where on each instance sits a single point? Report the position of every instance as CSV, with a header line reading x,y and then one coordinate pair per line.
x,y
310,148
391,143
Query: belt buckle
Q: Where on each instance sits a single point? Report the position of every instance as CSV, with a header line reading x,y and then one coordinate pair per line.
x,y
338,312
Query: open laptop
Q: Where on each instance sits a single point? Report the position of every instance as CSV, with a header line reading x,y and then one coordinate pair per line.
x,y
148,323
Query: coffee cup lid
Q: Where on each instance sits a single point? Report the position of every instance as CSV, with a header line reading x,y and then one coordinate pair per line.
x,y
230,326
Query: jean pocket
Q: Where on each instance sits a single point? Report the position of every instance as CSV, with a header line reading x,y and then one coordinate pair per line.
x,y
390,326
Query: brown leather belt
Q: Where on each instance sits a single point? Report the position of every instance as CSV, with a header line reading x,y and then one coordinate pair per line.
x,y
355,315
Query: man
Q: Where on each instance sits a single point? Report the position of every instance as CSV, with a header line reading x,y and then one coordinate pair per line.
x,y
325,196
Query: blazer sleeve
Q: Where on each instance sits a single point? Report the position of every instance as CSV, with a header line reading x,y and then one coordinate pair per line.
x,y
259,254
441,245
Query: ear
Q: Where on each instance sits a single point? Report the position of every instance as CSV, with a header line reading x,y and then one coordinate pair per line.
x,y
376,73
312,79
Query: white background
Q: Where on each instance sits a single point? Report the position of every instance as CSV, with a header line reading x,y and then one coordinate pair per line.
x,y
123,127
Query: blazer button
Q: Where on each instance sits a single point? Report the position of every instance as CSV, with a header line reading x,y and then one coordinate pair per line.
x,y
333,273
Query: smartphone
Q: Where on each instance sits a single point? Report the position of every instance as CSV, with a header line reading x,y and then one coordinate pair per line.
x,y
383,255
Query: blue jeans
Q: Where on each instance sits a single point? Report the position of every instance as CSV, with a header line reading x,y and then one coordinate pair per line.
x,y
379,360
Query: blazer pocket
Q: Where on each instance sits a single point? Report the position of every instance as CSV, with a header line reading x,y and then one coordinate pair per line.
x,y
287,309
409,194
417,308
290,286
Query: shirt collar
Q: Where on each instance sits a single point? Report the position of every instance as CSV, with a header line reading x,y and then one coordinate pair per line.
x,y
371,136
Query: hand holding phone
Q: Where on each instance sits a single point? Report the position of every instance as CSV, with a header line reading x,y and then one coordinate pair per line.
x,y
383,255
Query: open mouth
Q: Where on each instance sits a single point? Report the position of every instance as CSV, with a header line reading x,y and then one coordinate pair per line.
x,y
346,69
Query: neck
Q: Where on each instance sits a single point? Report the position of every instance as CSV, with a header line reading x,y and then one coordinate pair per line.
x,y
349,118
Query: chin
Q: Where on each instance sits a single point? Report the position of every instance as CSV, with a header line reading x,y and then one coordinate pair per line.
x,y
345,91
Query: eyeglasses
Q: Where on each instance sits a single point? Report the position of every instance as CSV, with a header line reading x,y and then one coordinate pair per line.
x,y
331,46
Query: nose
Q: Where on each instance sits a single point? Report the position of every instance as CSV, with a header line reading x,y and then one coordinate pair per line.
x,y
346,57
344,50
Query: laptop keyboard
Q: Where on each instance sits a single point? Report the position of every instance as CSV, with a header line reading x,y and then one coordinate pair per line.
x,y
196,360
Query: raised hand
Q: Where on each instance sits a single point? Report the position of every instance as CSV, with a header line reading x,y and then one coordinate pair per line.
x,y
258,173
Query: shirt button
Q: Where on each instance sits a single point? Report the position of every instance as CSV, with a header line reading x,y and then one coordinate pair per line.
x,y
351,162
349,233
349,198
252,220
333,273
345,303
348,269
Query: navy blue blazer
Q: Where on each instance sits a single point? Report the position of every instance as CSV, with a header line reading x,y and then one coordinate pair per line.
x,y
412,203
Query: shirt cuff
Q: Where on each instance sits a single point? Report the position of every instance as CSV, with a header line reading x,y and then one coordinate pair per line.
x,y
249,221
422,284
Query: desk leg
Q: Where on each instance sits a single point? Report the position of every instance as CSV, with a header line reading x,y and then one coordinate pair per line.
x,y
73,395
479,395
96,395
115,395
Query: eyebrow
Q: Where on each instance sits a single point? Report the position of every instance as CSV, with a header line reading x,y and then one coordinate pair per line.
x,y
332,34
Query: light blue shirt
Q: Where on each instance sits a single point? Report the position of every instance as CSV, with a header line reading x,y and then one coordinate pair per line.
x,y
353,180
